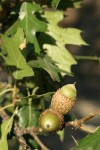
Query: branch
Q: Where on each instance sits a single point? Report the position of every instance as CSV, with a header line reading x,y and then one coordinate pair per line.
x,y
78,123
36,138
21,140
89,117
32,131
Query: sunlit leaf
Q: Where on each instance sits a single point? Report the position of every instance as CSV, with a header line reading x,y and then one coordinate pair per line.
x,y
13,56
5,129
62,36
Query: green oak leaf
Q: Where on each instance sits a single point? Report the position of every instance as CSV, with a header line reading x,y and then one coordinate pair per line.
x,y
48,65
12,29
55,3
64,60
30,23
13,57
90,142
42,96
28,116
5,129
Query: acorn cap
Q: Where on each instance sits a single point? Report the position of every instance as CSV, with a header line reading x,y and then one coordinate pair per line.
x,y
51,120
69,91
64,99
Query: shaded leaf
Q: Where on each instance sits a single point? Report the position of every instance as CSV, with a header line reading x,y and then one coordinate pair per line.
x,y
48,65
28,116
62,36
55,3
14,57
44,96
90,142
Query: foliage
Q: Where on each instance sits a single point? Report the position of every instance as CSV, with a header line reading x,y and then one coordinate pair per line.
x,y
34,54
90,142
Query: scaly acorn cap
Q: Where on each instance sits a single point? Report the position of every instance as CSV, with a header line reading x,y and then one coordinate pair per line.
x,y
64,99
51,120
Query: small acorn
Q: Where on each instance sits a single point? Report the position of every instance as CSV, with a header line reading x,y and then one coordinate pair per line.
x,y
64,98
51,120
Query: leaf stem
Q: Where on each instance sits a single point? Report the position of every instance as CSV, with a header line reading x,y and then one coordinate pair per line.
x,y
94,58
14,91
30,103
6,90
7,106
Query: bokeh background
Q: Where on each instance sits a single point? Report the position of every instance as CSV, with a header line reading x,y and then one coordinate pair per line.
x,y
86,73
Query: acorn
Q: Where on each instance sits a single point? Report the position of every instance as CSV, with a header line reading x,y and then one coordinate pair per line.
x,y
51,120
64,98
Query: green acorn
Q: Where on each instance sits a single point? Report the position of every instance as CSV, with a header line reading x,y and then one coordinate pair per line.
x,y
51,120
64,98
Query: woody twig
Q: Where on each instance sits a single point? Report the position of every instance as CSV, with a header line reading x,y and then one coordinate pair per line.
x,y
19,132
79,123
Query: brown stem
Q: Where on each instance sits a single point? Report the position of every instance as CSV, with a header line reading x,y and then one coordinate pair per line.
x,y
3,114
32,131
81,127
89,117
21,140
87,129
36,138
78,123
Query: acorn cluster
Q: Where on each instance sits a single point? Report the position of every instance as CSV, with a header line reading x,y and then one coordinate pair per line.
x,y
52,119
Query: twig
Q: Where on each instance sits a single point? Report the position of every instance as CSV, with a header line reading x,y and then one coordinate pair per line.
x,y
21,140
36,138
38,141
14,91
89,117
32,131
81,127
78,123
86,129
